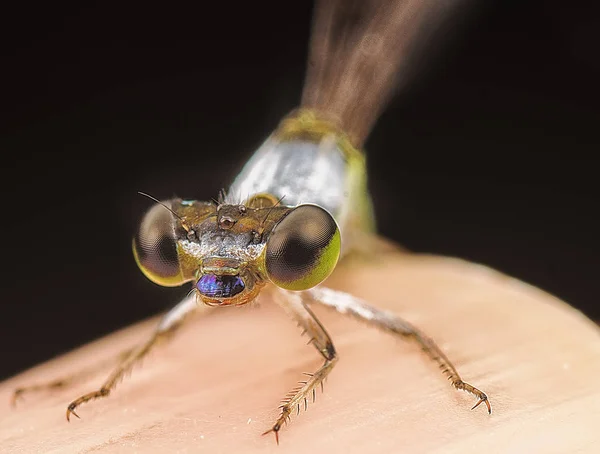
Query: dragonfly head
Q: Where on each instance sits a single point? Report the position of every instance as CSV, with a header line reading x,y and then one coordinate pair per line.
x,y
231,251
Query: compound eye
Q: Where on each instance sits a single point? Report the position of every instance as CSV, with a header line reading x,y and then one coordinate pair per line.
x,y
303,248
155,247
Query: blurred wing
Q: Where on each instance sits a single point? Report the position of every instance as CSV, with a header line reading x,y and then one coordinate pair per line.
x,y
360,51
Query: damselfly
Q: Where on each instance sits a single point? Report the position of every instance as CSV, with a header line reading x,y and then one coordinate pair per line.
x,y
300,203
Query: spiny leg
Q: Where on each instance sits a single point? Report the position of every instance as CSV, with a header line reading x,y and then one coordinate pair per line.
x,y
295,306
167,325
65,381
348,304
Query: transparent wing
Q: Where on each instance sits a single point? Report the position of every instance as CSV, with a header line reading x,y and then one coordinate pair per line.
x,y
361,50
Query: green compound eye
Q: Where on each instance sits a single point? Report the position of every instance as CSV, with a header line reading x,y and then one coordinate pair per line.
x,y
303,248
155,247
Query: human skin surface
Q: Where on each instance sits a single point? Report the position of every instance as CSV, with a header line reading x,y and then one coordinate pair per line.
x,y
216,386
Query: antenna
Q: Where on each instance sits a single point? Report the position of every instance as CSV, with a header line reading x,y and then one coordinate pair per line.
x,y
183,223
271,209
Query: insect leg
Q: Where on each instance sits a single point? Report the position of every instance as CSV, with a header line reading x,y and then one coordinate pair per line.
x,y
348,304
167,325
66,381
293,303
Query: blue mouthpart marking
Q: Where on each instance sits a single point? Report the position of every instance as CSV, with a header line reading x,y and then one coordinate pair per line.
x,y
224,286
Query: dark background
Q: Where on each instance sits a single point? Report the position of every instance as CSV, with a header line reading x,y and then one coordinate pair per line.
x,y
490,155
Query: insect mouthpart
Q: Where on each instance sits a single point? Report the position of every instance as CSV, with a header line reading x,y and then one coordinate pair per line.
x,y
215,286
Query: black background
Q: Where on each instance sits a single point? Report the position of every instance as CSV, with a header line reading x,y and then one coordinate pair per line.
x,y
490,155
